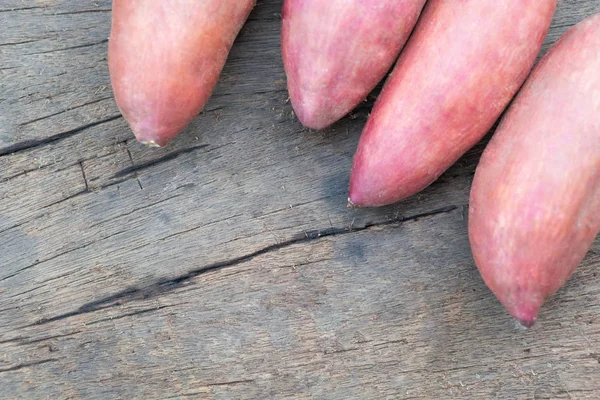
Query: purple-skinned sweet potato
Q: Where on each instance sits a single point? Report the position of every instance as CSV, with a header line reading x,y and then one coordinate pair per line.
x,y
535,200
336,51
165,58
459,70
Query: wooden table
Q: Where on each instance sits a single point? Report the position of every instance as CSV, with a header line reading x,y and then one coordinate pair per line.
x,y
227,265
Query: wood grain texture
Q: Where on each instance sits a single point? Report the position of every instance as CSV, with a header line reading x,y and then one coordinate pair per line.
x,y
227,265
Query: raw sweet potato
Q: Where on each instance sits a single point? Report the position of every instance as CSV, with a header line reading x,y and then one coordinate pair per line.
x,y
457,73
535,200
165,58
336,51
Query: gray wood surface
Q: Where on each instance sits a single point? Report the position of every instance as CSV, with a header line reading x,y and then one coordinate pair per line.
x,y
227,265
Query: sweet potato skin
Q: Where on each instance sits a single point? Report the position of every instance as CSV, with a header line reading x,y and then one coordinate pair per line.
x,y
165,58
459,70
336,51
535,200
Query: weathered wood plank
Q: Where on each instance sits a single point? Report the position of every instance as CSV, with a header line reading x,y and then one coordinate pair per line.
x,y
227,264
351,315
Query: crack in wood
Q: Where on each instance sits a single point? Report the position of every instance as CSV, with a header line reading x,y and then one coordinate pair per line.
x,y
208,385
326,352
38,262
64,111
77,194
292,206
209,110
43,167
87,186
12,227
93,10
163,286
8,309
44,283
14,340
22,9
114,183
44,96
9,178
400,341
27,365
231,382
191,230
28,291
134,211
68,48
174,154
17,43
135,174
139,312
27,341
30,144
147,164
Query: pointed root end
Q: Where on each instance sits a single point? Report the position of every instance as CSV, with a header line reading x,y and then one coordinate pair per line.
x,y
150,143
525,313
313,110
525,323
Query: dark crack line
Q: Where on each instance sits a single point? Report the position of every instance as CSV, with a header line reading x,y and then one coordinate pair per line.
x,y
135,174
28,291
69,48
111,184
12,227
77,194
134,211
40,168
87,186
80,162
44,284
138,312
400,341
270,91
63,111
189,230
18,175
341,351
17,339
8,309
93,10
38,262
190,394
231,382
44,97
14,273
22,8
30,144
163,286
292,206
212,110
17,43
27,341
27,365
148,164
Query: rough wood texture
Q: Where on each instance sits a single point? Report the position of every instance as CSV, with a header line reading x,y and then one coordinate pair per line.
x,y
227,266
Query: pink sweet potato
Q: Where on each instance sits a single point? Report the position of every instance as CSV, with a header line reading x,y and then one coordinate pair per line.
x,y
165,58
457,73
336,51
535,200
